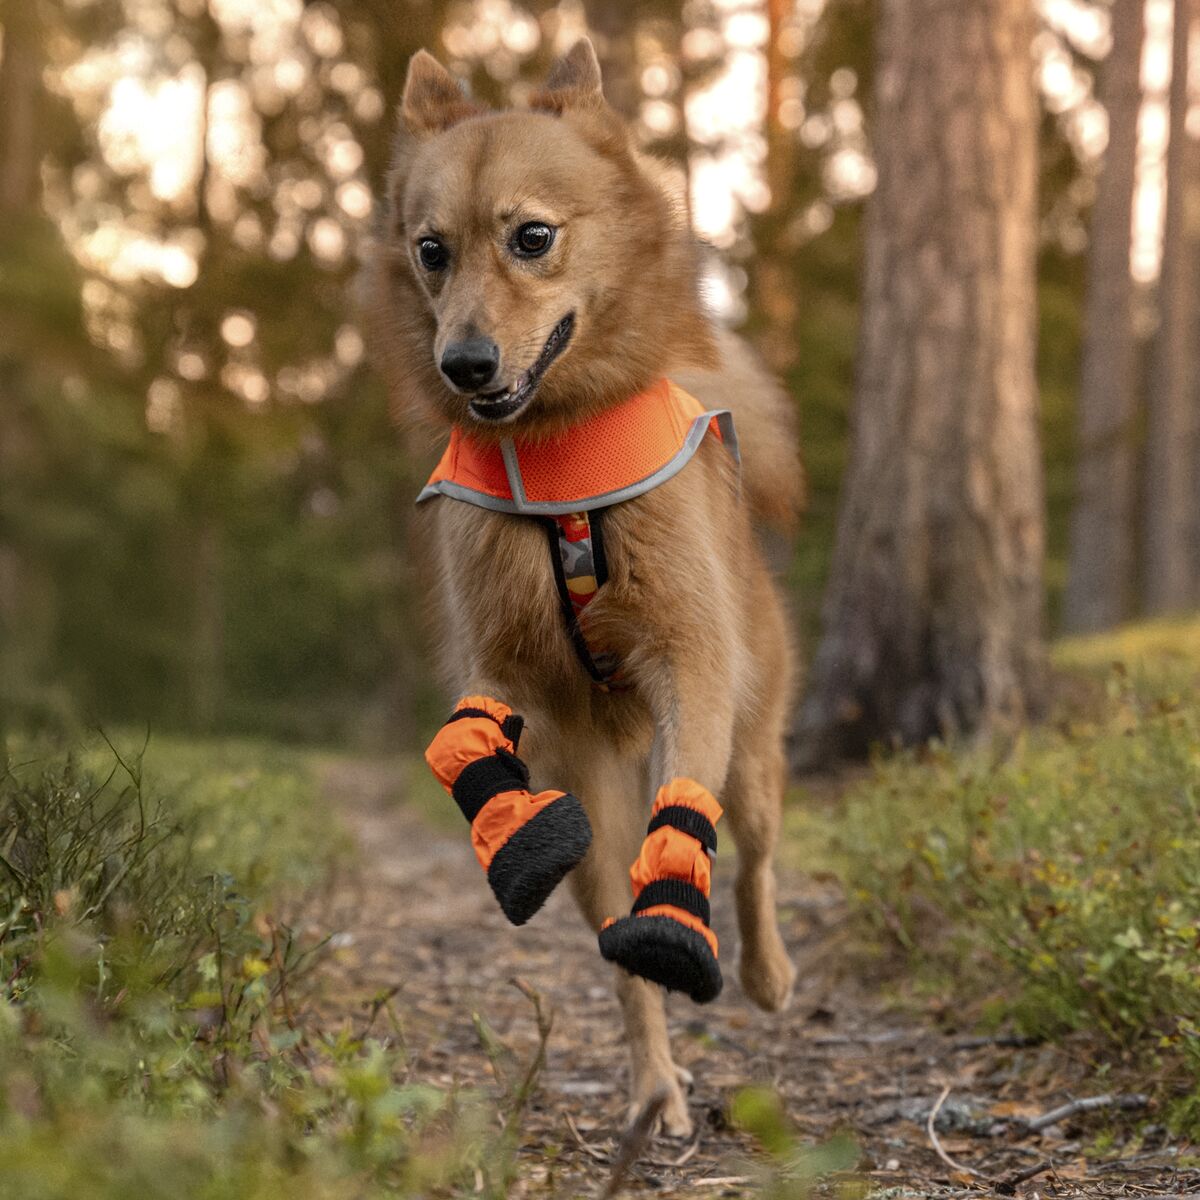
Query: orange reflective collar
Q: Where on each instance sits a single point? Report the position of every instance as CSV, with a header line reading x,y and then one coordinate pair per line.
x,y
616,455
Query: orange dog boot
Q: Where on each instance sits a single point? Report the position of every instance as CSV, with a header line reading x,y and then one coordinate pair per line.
x,y
525,843
666,938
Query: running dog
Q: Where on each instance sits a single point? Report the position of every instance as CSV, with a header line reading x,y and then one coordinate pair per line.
x,y
606,617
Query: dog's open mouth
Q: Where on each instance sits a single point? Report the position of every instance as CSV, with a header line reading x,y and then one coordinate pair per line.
x,y
506,403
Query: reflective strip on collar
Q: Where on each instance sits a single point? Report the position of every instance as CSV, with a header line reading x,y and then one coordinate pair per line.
x,y
520,504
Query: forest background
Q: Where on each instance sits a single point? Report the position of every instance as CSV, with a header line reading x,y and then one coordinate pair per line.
x,y
203,502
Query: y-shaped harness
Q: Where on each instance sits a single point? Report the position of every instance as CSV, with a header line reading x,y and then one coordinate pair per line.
x,y
568,481
526,843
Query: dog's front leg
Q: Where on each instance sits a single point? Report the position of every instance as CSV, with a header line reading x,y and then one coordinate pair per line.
x,y
666,940
613,788
525,843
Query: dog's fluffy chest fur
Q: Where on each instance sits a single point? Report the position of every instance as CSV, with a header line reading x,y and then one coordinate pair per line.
x,y
500,610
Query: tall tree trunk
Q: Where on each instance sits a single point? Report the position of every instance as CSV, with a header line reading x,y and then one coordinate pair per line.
x,y
20,158
1168,565
774,290
933,616
20,106
1100,555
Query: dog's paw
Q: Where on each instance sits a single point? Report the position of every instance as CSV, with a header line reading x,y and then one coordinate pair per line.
x,y
768,977
674,1121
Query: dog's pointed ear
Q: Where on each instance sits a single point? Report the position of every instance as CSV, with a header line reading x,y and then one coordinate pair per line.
x,y
573,82
433,99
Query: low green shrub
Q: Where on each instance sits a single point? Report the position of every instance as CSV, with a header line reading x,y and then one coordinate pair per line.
x,y
1056,884
149,1037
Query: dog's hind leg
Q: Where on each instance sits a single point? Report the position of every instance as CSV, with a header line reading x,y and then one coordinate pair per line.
x,y
753,800
613,791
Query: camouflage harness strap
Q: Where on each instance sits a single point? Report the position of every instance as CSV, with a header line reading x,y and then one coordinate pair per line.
x,y
580,571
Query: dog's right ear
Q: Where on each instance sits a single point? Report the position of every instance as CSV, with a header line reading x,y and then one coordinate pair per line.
x,y
433,99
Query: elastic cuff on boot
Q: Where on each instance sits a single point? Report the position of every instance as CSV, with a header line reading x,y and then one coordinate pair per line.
x,y
666,938
525,843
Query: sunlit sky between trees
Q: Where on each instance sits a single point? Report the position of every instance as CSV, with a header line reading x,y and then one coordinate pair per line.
x,y
145,95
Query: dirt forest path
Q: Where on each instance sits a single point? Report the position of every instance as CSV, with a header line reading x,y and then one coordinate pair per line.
x,y
414,914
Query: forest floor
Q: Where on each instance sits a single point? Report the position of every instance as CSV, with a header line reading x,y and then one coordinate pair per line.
x,y
415,921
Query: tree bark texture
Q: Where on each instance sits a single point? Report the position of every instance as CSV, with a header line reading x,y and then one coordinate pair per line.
x,y
933,614
1100,557
1169,552
20,96
773,269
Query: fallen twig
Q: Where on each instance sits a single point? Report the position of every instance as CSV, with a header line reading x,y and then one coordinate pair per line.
x,y
1008,1184
1001,1041
936,1143
672,1164
634,1141
868,1039
1087,1104
593,1152
687,1154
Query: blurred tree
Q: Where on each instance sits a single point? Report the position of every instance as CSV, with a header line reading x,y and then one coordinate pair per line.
x,y
774,295
615,26
1100,554
1169,568
933,615
21,97
20,91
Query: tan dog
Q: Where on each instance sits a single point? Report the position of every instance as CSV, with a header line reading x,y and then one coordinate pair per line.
x,y
500,226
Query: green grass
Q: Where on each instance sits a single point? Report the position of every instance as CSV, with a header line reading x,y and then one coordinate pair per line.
x,y
1054,883
149,989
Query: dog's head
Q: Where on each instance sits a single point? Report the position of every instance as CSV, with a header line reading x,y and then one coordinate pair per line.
x,y
536,267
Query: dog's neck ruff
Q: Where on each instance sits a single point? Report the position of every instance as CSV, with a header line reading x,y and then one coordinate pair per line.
x,y
567,481
614,456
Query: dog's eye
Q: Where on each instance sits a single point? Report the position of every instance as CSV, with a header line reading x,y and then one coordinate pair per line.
x,y
432,253
533,239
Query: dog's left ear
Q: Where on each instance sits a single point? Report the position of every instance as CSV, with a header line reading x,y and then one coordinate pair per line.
x,y
573,82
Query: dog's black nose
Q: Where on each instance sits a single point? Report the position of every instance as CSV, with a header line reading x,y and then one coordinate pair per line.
x,y
470,364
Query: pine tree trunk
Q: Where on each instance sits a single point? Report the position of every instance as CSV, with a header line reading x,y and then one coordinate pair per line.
x,y
933,615
20,103
774,285
1168,564
1100,554
20,158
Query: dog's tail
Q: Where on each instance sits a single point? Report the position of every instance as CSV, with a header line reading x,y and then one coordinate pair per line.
x,y
765,418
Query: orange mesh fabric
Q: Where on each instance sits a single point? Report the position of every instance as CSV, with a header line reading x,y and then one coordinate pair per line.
x,y
618,447
613,450
476,465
